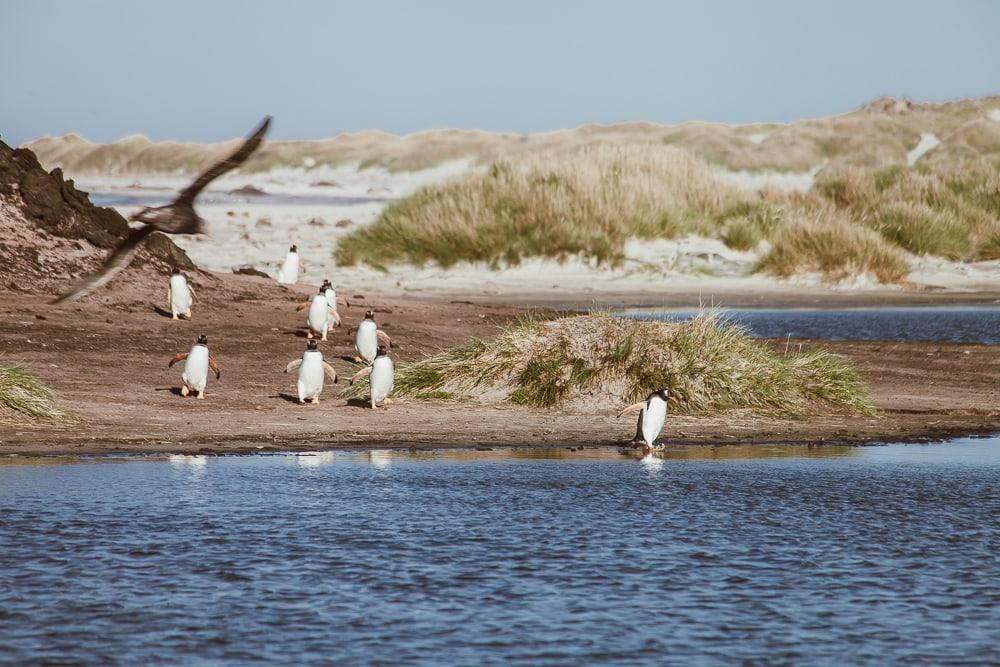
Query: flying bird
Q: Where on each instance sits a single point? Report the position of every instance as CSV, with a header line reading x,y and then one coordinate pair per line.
x,y
177,217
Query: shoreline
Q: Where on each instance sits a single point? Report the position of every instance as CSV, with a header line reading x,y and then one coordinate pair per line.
x,y
106,358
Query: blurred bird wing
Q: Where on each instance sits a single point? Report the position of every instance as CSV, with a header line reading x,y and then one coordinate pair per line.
x,y
116,262
180,357
635,407
292,365
335,316
240,156
364,372
302,306
194,297
383,338
214,366
330,372
342,300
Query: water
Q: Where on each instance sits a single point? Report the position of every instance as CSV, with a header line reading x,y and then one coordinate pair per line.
x,y
970,324
709,556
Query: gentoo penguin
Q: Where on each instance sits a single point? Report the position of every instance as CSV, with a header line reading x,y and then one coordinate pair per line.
x,y
331,295
312,370
383,375
321,315
369,338
652,414
195,375
289,271
177,217
179,295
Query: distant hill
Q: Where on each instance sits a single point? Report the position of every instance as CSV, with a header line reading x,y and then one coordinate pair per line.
x,y
880,133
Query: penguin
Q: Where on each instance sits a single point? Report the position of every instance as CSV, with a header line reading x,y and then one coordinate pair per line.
x,y
383,375
331,295
288,274
179,295
652,414
195,375
321,315
312,370
369,338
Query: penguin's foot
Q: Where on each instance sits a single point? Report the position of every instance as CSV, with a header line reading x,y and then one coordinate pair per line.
x,y
201,395
302,401
185,391
386,401
315,399
175,317
359,360
187,315
309,334
323,338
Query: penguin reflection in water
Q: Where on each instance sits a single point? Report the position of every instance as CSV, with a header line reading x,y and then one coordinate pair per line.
x,y
369,338
321,315
652,414
312,371
383,375
197,361
180,295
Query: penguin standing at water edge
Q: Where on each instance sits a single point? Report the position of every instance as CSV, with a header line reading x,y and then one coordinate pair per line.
x,y
180,294
383,377
652,415
321,315
197,362
312,370
369,338
288,274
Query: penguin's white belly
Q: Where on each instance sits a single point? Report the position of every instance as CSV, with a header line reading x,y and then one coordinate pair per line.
x,y
180,295
289,271
366,341
382,378
311,375
653,416
319,313
195,373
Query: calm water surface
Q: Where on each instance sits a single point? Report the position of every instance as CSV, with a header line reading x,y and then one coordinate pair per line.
x,y
708,556
971,324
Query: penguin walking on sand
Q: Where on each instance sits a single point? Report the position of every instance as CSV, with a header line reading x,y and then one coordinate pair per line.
x,y
331,295
383,377
198,361
312,370
180,295
288,274
321,316
369,338
652,415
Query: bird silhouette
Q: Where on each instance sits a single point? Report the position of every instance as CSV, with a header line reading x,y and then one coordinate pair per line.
x,y
177,217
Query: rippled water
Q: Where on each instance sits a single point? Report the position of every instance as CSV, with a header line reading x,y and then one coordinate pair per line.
x,y
957,325
711,555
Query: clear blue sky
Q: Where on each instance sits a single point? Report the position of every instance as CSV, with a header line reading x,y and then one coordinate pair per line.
x,y
200,70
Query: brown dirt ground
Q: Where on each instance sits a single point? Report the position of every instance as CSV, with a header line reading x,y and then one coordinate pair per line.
x,y
107,358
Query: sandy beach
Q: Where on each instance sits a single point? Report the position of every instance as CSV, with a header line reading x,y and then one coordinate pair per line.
x,y
107,360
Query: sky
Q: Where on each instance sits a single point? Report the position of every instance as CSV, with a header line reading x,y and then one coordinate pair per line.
x,y
195,70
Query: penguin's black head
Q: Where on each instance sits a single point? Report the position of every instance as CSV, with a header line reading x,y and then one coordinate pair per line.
x,y
323,288
382,351
175,272
327,284
294,248
369,314
664,394
311,345
203,340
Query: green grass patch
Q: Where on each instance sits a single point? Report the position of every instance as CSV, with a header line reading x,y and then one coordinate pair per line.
x,y
24,398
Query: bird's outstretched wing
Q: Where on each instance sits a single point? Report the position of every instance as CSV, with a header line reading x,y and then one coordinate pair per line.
x,y
113,265
219,168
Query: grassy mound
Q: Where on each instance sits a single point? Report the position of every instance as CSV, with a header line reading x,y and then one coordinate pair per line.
x,y
586,202
598,363
22,397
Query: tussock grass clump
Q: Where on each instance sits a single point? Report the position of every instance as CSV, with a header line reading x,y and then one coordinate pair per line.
x,y
951,211
748,223
828,243
599,362
22,396
586,203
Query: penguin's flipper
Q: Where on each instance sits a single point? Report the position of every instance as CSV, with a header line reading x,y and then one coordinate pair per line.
x,y
302,306
342,300
383,338
180,357
635,407
292,365
364,372
335,317
194,297
330,372
215,367
113,265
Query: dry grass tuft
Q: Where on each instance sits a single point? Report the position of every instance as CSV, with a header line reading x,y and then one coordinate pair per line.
x,y
22,396
585,203
598,362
